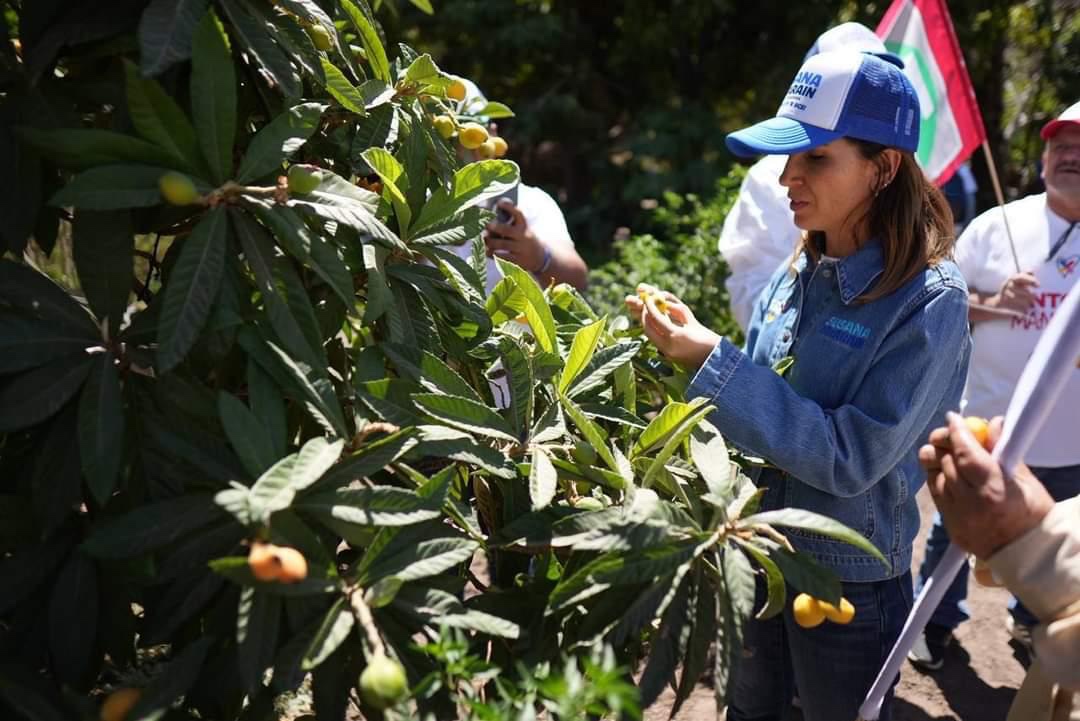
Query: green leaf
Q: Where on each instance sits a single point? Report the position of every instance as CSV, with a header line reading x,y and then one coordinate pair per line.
x,y
774,580
667,644
506,301
104,252
85,148
30,695
376,506
275,489
444,442
421,560
268,406
678,435
494,111
27,343
710,455
191,289
34,295
701,638
604,362
382,592
270,61
151,526
430,371
364,21
32,396
213,95
258,617
372,457
73,618
471,185
592,432
581,352
465,414
158,118
543,480
165,31
335,628
101,428
537,310
311,249
521,381
279,139
389,170
113,187
815,523
246,434
424,5
735,596
670,418
375,130
341,90
319,397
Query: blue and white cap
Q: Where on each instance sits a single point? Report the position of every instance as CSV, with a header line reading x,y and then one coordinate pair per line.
x,y
838,94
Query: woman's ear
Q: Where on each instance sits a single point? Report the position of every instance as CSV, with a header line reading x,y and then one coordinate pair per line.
x,y
890,164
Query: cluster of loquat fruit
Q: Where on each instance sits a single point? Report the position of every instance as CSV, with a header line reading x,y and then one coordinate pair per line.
x,y
471,136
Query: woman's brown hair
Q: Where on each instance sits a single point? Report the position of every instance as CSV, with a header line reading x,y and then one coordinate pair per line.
x,y
908,214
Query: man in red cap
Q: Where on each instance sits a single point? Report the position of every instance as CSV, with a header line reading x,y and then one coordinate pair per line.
x,y
1010,307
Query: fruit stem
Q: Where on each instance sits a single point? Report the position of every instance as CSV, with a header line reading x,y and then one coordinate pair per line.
x,y
363,615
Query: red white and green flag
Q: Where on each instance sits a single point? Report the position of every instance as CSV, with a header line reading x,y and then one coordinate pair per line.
x,y
921,33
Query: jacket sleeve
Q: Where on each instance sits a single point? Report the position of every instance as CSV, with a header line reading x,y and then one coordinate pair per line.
x,y
845,450
1042,568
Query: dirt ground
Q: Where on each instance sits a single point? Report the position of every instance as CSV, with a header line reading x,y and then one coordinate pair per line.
x,y
981,673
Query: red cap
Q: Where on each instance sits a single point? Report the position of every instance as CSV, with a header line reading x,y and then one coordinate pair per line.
x,y
1071,116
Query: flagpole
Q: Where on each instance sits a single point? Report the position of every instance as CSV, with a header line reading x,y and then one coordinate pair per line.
x,y
1000,200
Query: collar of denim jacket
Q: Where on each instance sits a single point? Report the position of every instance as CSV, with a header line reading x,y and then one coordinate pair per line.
x,y
854,273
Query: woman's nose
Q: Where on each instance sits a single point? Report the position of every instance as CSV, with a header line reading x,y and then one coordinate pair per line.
x,y
788,177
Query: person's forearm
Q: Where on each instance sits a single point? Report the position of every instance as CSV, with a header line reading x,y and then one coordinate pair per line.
x,y
566,267
983,307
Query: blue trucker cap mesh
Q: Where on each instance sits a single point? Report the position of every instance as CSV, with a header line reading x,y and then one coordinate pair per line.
x,y
882,107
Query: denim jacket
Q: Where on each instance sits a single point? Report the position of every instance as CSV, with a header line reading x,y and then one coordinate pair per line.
x,y
870,380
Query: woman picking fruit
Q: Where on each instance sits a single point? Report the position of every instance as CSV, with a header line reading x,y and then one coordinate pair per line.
x,y
874,312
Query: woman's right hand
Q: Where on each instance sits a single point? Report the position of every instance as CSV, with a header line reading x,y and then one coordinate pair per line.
x,y
677,333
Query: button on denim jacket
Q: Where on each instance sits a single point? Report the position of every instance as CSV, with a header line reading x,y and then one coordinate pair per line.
x,y
841,431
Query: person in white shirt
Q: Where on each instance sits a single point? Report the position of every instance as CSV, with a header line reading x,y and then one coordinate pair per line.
x,y
1012,299
759,233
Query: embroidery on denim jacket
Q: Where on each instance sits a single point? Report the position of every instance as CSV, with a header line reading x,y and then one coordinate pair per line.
x,y
848,332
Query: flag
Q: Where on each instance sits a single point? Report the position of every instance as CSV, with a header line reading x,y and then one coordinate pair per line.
x,y
921,33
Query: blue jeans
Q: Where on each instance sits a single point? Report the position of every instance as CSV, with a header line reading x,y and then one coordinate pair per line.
x,y
833,666
1062,483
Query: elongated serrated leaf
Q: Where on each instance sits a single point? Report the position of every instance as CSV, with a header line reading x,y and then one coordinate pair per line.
x,y
735,604
28,343
710,455
668,644
151,526
73,618
581,352
370,458
389,170
213,95
377,506
537,310
34,295
158,118
165,31
112,187
311,249
429,370
84,148
678,435
521,382
336,627
543,480
363,20
471,185
592,432
341,90
603,364
319,396
246,434
444,442
427,558
774,581
278,140
258,617
31,397
816,523
191,289
269,59
481,622
465,414
104,252
268,406
506,301
101,428
663,425
701,638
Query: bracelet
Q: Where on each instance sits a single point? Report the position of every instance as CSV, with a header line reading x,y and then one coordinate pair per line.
x,y
547,261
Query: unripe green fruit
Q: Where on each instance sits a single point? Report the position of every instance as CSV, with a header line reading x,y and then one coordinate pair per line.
x,y
383,682
320,36
177,189
444,124
304,178
588,503
584,453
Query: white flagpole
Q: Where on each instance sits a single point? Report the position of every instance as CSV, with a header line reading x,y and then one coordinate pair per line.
x,y
1000,199
1045,374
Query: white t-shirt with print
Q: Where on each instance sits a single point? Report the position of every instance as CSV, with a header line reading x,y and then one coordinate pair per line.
x,y
1002,347
544,218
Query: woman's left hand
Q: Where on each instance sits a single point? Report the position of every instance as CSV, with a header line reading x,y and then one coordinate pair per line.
x,y
677,334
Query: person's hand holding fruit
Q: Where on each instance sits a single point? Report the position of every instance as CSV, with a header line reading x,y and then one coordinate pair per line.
x,y
672,327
